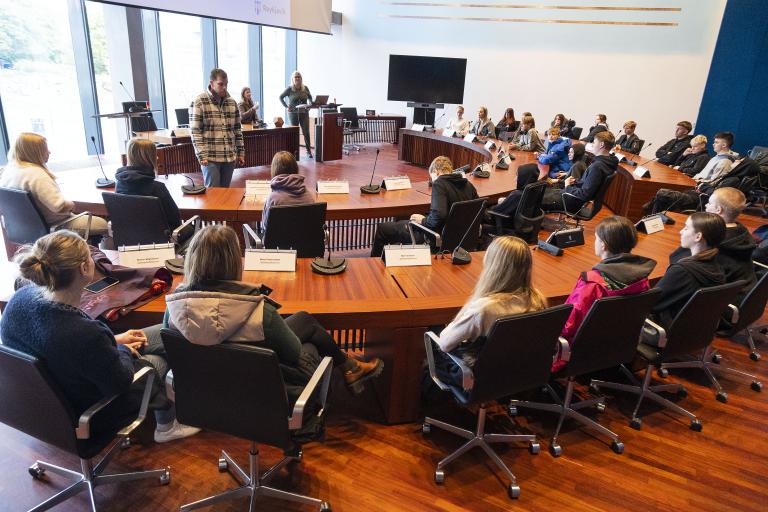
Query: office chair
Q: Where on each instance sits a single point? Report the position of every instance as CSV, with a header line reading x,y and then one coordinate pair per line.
x,y
516,356
606,338
640,144
690,331
463,222
298,226
576,132
34,404
744,316
588,210
351,127
526,222
145,123
182,117
255,409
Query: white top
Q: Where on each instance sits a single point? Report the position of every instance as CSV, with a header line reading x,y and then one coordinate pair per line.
x,y
716,167
460,125
476,320
44,190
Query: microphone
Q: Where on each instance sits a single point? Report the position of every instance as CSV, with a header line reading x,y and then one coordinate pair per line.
x,y
464,169
434,125
101,182
502,163
666,219
370,188
461,256
134,108
328,266
192,189
634,164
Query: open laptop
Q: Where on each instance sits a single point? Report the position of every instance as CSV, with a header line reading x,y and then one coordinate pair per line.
x,y
321,100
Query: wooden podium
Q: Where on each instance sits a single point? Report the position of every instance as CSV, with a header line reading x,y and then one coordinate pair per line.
x,y
330,137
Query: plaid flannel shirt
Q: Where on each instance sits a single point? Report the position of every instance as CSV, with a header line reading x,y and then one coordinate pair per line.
x,y
216,131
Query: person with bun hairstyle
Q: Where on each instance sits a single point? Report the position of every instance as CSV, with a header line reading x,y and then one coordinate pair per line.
x,y
85,359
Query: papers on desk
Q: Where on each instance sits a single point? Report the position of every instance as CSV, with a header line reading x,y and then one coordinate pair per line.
x,y
407,255
332,187
257,188
145,256
270,260
396,183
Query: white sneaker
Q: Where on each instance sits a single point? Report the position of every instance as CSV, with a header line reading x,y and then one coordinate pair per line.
x,y
177,431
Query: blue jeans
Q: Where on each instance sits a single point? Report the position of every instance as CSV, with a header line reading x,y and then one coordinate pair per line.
x,y
218,174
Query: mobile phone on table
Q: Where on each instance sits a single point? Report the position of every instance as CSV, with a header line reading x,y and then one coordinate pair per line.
x,y
102,284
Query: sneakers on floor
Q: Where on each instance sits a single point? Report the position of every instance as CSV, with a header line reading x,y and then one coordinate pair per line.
x,y
177,431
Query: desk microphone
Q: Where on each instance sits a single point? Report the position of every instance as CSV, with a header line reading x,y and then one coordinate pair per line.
x,y
192,189
328,266
633,163
461,256
648,161
666,219
370,188
101,182
434,125
134,107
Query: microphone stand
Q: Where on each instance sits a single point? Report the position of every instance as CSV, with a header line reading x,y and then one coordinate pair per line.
x,y
101,182
370,188
329,266
192,189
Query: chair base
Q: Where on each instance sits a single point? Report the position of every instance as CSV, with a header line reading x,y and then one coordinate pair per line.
x,y
566,408
761,331
91,476
645,390
482,440
252,485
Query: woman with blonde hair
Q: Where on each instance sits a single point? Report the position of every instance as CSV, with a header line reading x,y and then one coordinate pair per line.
x,y
483,126
138,179
287,184
88,362
298,95
504,288
213,305
27,170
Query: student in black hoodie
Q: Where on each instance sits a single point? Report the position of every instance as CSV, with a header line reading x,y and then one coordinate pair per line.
x,y
138,179
702,234
601,125
672,149
695,158
447,188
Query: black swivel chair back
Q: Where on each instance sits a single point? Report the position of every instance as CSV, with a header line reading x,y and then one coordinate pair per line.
x,y
182,116
640,144
752,306
136,219
145,123
463,219
300,227
590,209
576,132
529,215
22,221
350,114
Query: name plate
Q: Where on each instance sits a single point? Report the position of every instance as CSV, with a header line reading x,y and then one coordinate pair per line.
x,y
257,188
181,132
490,145
449,132
396,183
620,156
146,256
407,255
270,260
641,172
651,224
418,127
333,187
470,137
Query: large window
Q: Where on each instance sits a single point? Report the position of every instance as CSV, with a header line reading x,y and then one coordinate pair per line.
x,y
273,66
38,82
182,61
232,44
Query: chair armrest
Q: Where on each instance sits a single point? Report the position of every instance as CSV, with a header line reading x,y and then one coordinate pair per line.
x,y
499,219
176,232
564,349
660,332
494,213
764,267
83,430
249,235
322,378
565,208
56,227
467,377
170,389
438,240
734,314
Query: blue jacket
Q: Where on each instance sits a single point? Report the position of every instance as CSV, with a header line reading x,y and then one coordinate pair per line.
x,y
556,156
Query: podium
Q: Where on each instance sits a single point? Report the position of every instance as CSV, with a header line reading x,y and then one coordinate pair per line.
x,y
126,116
329,137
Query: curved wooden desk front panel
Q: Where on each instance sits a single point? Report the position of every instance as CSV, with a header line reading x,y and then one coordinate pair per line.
x,y
421,148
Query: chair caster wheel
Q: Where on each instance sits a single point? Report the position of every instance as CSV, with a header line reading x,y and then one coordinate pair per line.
x,y
636,423
756,385
722,396
512,410
663,373
36,471
682,392
594,389
716,358
600,407
555,450
223,465
755,356
617,447
696,425
165,478
439,476
426,428
325,507
534,448
513,491
125,443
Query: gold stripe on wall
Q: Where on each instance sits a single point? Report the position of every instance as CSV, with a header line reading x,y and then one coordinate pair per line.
x,y
546,7
532,20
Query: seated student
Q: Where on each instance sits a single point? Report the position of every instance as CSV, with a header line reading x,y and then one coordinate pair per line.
x,y
618,273
507,123
447,188
671,151
527,138
503,288
694,158
138,179
85,359
578,157
601,125
552,164
26,170
629,141
212,305
249,111
483,126
565,125
702,234
287,184
459,123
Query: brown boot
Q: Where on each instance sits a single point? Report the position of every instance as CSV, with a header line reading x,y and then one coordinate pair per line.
x,y
362,372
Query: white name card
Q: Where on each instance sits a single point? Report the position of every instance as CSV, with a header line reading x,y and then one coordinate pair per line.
x,y
146,256
620,156
396,183
641,172
407,255
333,187
651,224
418,127
449,132
470,137
257,188
490,145
270,260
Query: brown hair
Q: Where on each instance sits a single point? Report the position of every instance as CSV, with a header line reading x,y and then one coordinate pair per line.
x,y
731,200
510,112
711,227
528,121
141,153
242,93
54,260
630,124
441,165
687,125
606,138
217,73
603,118
561,117
555,130
617,233
284,163
213,254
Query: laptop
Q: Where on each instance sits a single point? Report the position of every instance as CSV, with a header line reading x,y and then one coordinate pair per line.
x,y
321,100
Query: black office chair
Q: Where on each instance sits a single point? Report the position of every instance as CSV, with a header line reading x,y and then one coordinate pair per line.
x,y
351,127
526,223
640,144
576,132
690,331
33,403
606,338
140,220
182,117
22,222
145,123
239,390
744,316
462,223
515,357
300,227
588,210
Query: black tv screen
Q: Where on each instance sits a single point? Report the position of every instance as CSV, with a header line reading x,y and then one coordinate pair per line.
x,y
426,79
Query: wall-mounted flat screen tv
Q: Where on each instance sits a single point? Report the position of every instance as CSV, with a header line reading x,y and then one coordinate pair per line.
x,y
426,79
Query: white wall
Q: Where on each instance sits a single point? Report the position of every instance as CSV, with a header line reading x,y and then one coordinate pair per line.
x,y
654,75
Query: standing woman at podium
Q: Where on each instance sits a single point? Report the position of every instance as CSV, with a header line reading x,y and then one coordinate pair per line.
x,y
298,94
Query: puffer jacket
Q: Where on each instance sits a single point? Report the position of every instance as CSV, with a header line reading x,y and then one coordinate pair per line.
x,y
556,156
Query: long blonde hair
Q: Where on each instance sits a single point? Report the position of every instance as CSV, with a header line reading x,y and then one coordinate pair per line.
x,y
142,153
506,274
53,260
301,81
30,149
213,254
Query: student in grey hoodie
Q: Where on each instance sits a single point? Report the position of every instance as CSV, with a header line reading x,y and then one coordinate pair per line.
x,y
287,185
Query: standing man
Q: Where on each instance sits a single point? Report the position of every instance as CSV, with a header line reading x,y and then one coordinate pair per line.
x,y
216,132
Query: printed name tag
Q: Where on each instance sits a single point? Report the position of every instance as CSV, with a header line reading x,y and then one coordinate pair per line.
x,y
333,187
470,137
418,127
490,145
651,224
621,157
407,255
257,188
146,256
449,132
182,132
641,172
396,183
270,260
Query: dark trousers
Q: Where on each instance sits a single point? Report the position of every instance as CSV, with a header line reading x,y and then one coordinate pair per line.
x,y
302,119
673,200
393,233
309,330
